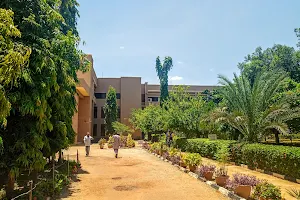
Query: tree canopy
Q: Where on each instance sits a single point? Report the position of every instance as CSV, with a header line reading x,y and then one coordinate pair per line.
x,y
110,110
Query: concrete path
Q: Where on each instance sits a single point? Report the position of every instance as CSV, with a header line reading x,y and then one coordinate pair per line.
x,y
135,175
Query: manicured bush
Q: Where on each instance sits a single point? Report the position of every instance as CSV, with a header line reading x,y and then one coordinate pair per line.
x,y
205,147
279,159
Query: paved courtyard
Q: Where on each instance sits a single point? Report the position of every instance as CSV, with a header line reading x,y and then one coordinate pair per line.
x,y
135,175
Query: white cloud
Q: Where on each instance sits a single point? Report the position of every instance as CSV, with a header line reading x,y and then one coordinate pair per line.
x,y
179,62
121,47
211,69
176,78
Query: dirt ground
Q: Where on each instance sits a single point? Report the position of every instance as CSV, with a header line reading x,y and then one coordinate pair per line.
x,y
135,175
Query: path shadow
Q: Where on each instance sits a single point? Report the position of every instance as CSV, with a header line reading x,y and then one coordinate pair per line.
x,y
82,171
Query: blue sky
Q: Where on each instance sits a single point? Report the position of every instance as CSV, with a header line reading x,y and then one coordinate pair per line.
x,y
204,37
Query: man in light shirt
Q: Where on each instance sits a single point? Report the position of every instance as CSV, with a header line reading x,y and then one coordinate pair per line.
x,y
87,142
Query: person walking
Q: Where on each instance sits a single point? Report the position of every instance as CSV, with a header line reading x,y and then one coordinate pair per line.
x,y
116,144
87,142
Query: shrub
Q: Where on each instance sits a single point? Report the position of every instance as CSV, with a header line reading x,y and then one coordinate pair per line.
x,y
154,147
130,141
192,159
123,140
205,168
278,159
146,145
102,141
205,147
267,191
222,171
241,179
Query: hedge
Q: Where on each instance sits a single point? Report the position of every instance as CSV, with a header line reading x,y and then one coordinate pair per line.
x,y
205,147
279,159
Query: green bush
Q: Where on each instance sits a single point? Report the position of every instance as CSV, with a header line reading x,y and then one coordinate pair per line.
x,y
279,159
205,147
192,159
267,191
273,158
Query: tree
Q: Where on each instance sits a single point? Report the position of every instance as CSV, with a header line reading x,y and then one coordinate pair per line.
x,y
121,128
279,57
110,110
162,71
42,106
252,110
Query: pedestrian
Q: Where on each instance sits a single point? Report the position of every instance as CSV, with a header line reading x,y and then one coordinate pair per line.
x,y
117,143
87,142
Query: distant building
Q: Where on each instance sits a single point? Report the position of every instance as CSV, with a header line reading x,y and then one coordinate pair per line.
x,y
131,94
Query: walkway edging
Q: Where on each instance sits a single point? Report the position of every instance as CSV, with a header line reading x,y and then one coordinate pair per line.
x,y
212,184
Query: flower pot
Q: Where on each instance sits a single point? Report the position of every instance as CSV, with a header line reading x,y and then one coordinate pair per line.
x,y
192,168
261,198
243,191
208,175
110,146
182,164
101,147
221,180
34,198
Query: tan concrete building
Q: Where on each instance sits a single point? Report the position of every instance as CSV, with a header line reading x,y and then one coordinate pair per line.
x,y
131,94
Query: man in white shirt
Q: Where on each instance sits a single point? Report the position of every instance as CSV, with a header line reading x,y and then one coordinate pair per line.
x,y
87,142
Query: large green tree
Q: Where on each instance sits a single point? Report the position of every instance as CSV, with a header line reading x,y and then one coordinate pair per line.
x,y
42,106
279,57
162,71
110,110
254,110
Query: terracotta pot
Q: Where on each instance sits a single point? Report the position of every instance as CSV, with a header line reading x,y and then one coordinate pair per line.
x,y
261,198
221,180
243,191
192,168
101,146
182,164
34,198
110,146
208,175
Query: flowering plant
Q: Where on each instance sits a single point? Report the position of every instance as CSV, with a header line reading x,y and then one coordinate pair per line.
x,y
204,169
241,179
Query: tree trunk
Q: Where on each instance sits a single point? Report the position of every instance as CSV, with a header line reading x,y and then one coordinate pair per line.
x,y
276,137
60,157
10,186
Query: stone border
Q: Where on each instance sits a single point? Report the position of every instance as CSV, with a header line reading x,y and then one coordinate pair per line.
x,y
212,184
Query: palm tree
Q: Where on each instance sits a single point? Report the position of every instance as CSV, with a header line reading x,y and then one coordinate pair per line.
x,y
162,73
253,111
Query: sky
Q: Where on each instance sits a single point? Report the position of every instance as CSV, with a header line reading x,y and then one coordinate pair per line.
x,y
205,38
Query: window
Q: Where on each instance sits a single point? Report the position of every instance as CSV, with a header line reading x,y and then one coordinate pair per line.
x,y
154,99
102,129
143,97
95,112
118,96
100,95
95,130
102,113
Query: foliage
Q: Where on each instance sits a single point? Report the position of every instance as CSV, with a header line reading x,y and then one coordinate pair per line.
x,y
102,141
110,140
267,191
221,171
241,179
162,73
110,110
251,110
121,128
205,168
294,193
192,159
279,57
130,142
150,120
205,147
39,125
155,147
278,159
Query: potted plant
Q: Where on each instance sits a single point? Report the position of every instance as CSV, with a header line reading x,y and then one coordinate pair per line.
x,y
206,171
101,143
221,173
129,141
221,176
242,184
266,191
110,142
192,160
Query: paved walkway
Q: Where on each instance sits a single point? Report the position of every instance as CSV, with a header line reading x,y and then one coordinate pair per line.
x,y
136,175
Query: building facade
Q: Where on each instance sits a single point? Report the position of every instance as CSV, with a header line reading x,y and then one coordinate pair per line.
x,y
131,94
